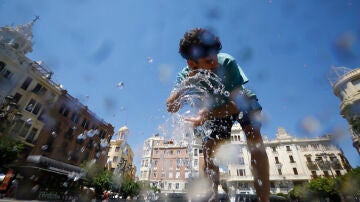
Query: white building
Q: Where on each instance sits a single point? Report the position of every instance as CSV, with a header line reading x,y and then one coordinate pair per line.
x,y
346,86
292,161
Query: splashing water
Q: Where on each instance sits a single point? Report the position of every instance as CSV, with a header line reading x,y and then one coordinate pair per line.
x,y
196,92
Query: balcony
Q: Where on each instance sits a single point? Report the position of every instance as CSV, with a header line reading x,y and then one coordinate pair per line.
x,y
324,165
312,165
336,165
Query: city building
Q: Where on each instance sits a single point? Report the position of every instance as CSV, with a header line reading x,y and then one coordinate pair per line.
x,y
120,156
169,165
59,133
292,160
346,86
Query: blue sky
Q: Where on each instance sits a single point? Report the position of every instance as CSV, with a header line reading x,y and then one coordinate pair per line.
x,y
286,48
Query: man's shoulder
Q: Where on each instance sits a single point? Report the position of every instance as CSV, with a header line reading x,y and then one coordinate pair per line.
x,y
225,58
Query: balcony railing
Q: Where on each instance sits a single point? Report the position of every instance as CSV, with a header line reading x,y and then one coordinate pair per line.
x,y
312,165
336,165
324,165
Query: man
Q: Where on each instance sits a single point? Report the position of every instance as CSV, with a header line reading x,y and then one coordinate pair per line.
x,y
201,48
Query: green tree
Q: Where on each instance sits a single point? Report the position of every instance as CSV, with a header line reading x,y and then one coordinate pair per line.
x,y
97,177
10,149
102,182
319,188
129,188
324,188
349,184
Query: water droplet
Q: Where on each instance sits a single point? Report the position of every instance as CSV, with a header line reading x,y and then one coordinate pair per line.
x,y
149,59
44,147
259,182
120,84
29,121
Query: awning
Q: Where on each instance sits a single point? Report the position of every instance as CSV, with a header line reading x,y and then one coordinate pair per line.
x,y
55,166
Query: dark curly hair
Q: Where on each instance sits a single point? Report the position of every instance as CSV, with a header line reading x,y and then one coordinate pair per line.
x,y
198,43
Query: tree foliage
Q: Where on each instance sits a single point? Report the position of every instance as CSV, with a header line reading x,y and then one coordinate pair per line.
x,y
129,188
10,149
319,188
97,177
349,184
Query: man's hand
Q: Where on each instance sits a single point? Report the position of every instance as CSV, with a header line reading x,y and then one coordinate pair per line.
x,y
203,115
172,102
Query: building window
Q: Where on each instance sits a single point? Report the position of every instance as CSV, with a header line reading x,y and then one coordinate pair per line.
x,y
279,171
85,123
187,174
30,105
277,160
155,174
171,175
117,149
102,134
240,172
195,162
26,83
33,107
313,174
291,159
326,173
169,185
338,173
36,108
2,65
64,110
75,117
39,89
177,186
163,174
273,149
178,152
288,148
115,158
195,152
241,160
17,97
295,171
7,74
31,136
177,174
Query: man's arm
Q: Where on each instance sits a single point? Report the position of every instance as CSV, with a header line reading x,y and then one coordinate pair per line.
x,y
172,102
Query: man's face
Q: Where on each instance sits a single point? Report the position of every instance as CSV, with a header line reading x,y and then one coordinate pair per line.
x,y
208,63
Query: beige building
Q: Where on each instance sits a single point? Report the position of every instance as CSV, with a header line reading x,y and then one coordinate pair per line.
x,y
171,166
59,132
346,86
120,156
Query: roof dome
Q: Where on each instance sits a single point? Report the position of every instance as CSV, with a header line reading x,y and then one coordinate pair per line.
x,y
124,129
